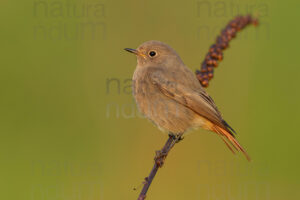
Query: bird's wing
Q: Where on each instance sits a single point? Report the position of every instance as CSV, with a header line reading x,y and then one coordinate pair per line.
x,y
195,99
198,101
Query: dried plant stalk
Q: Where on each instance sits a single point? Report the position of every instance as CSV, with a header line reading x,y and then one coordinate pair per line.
x,y
215,53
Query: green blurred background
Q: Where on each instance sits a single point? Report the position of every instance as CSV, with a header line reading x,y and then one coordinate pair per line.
x,y
69,126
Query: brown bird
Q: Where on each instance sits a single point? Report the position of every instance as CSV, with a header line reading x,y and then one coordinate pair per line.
x,y
169,94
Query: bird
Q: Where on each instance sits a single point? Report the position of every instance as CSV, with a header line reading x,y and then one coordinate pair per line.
x,y
168,93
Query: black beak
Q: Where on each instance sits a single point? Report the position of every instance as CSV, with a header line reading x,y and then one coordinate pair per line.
x,y
131,50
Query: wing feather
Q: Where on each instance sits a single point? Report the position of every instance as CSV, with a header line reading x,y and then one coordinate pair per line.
x,y
196,100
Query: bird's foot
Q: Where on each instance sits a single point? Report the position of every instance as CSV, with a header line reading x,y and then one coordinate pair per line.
x,y
176,138
173,136
180,138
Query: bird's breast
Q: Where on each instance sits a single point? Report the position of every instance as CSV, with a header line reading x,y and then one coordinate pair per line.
x,y
165,112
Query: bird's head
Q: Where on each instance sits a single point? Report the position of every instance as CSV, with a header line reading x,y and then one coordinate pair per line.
x,y
155,53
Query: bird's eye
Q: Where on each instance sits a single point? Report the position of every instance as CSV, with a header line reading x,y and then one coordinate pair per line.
x,y
152,53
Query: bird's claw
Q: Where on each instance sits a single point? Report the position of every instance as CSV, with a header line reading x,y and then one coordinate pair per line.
x,y
176,138
179,139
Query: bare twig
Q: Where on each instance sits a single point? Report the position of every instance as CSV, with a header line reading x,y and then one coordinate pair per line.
x,y
215,53
159,160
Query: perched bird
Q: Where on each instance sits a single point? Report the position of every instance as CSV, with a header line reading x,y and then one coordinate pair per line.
x,y
169,94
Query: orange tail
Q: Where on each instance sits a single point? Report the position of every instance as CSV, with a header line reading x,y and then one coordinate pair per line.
x,y
224,134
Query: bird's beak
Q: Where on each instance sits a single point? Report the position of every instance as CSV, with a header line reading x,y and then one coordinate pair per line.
x,y
136,52
131,50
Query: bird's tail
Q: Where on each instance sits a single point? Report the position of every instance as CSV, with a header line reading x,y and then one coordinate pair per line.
x,y
229,140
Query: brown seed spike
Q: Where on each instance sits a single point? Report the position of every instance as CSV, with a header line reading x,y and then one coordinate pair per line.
x,y
222,42
199,77
233,34
209,62
205,83
224,45
207,57
218,50
219,40
233,24
220,57
210,69
214,55
215,63
212,48
204,68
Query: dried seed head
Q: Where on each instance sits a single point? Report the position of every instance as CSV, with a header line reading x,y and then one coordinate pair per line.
x,y
215,52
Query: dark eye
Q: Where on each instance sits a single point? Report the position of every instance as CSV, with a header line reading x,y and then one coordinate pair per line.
x,y
152,53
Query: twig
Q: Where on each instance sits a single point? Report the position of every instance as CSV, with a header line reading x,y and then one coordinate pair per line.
x,y
159,160
215,53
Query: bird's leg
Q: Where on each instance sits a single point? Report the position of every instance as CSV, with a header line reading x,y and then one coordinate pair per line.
x,y
172,135
176,138
180,138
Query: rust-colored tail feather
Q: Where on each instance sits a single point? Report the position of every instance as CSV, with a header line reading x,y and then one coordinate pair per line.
x,y
227,144
230,138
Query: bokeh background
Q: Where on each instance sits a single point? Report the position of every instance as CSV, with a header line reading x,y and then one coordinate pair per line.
x,y
70,129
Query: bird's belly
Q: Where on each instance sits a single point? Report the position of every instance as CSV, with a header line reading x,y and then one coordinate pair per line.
x,y
166,113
